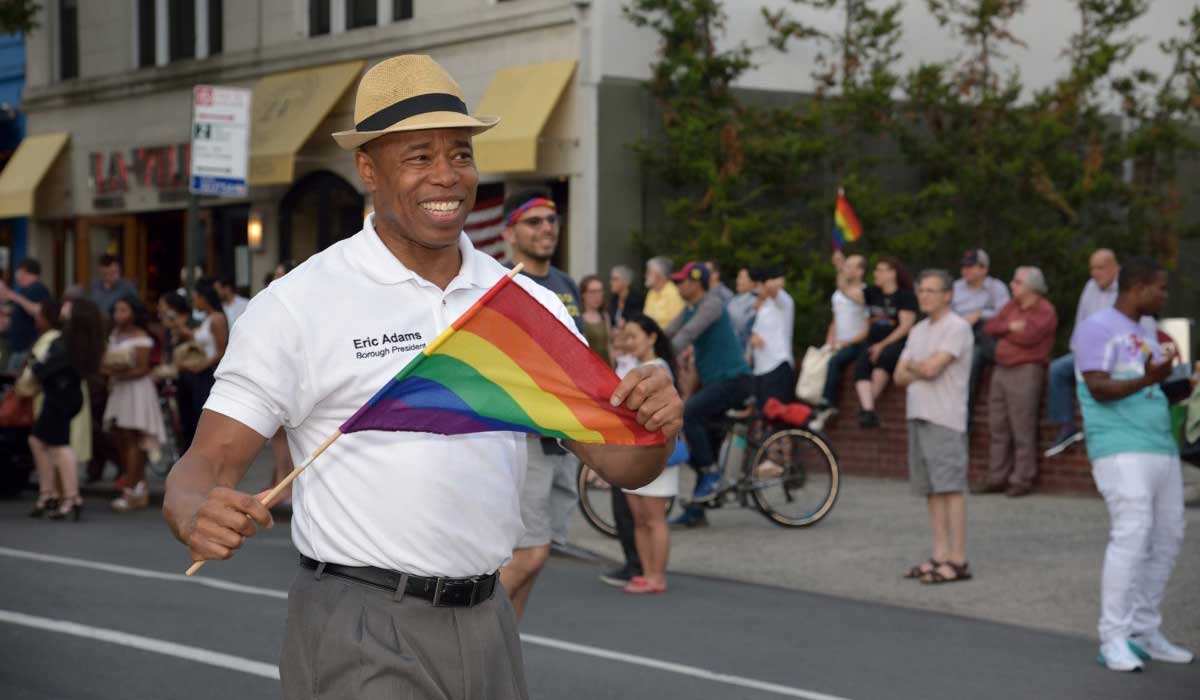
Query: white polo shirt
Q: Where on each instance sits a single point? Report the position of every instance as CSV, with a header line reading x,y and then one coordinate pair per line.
x,y
311,349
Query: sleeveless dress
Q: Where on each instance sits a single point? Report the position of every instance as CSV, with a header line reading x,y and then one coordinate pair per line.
x,y
133,403
63,398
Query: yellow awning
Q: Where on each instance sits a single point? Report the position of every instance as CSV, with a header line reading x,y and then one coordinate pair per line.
x,y
523,97
25,170
287,109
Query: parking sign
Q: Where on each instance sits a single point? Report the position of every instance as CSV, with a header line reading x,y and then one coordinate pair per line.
x,y
220,140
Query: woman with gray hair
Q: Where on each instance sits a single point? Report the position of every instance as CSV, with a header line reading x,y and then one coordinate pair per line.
x,y
1024,331
623,300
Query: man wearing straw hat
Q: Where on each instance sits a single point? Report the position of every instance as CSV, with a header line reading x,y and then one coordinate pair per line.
x,y
400,534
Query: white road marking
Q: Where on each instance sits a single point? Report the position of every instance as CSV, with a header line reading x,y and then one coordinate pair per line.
x,y
224,660
143,573
157,646
672,667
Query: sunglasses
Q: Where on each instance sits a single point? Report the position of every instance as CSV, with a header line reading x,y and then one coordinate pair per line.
x,y
536,221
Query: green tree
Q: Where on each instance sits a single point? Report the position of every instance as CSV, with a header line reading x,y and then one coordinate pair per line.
x,y
18,16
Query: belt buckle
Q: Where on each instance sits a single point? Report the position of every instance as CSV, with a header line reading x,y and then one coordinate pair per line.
x,y
455,592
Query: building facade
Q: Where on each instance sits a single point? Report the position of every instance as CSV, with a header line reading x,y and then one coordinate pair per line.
x,y
109,97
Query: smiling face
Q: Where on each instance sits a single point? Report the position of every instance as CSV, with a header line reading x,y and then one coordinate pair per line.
x,y
422,184
535,234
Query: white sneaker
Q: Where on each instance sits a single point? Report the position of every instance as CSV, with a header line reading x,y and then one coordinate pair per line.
x,y
1116,655
1153,645
822,417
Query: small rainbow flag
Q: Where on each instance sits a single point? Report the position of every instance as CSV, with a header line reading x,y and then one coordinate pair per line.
x,y
506,364
846,228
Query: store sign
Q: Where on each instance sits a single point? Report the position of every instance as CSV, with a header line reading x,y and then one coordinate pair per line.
x,y
220,140
155,169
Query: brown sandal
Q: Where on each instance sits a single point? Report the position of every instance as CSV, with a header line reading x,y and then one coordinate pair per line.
x,y
961,573
918,571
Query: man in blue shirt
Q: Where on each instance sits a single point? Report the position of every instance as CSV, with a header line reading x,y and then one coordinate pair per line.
x,y
26,298
725,378
1135,462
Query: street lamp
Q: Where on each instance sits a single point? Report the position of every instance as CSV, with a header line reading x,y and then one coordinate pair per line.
x,y
254,230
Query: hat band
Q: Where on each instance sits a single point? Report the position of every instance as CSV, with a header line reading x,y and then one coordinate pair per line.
x,y
411,107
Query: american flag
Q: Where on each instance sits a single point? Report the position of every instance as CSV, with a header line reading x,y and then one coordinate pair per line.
x,y
484,225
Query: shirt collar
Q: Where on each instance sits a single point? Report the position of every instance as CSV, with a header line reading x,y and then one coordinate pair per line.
x,y
383,267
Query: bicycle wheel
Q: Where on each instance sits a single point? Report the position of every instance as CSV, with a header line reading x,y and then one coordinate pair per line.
x,y
595,501
795,478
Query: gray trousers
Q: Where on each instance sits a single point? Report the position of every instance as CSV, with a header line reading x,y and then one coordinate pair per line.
x,y
1013,419
350,640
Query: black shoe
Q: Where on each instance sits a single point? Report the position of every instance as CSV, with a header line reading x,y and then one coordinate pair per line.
x,y
868,419
47,507
620,576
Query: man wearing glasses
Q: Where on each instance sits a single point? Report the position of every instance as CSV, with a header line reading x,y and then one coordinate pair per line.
x,y
531,228
936,368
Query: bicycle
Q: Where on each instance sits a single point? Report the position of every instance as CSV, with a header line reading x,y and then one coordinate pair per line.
x,y
791,477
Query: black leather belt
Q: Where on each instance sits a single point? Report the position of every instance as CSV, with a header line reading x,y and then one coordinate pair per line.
x,y
442,592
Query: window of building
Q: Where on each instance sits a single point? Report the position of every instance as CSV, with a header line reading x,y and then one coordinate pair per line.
x,y
362,13
68,39
181,29
337,16
318,17
146,22
216,27
177,30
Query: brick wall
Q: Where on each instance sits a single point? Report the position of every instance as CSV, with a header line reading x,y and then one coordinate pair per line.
x,y
883,451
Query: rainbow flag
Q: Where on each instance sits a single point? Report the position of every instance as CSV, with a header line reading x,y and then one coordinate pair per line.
x,y
506,364
846,228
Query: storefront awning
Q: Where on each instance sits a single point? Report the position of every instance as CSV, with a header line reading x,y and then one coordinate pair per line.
x,y
25,170
523,97
288,107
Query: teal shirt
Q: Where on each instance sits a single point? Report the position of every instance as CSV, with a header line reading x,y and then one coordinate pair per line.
x,y
1111,342
718,353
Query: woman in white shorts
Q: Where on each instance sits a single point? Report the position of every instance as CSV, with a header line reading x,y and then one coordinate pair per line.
x,y
650,346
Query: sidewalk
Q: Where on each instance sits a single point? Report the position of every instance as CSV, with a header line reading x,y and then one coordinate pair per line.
x,y
1036,560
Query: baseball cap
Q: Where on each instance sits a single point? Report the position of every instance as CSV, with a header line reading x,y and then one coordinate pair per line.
x,y
693,270
976,256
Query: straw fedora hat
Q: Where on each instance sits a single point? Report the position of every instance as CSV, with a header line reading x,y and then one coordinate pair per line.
x,y
408,93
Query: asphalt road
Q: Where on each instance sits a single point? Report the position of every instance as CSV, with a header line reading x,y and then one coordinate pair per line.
x,y
99,610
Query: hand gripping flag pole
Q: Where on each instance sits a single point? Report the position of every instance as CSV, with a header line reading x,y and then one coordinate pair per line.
x,y
507,364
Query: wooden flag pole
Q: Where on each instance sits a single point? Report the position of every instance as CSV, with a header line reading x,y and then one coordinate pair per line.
x,y
270,496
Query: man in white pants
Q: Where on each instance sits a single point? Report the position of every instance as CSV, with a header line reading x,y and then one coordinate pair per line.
x,y
1135,463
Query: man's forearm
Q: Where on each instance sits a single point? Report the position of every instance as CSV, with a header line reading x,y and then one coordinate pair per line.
x,y
625,466
188,484
1105,389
